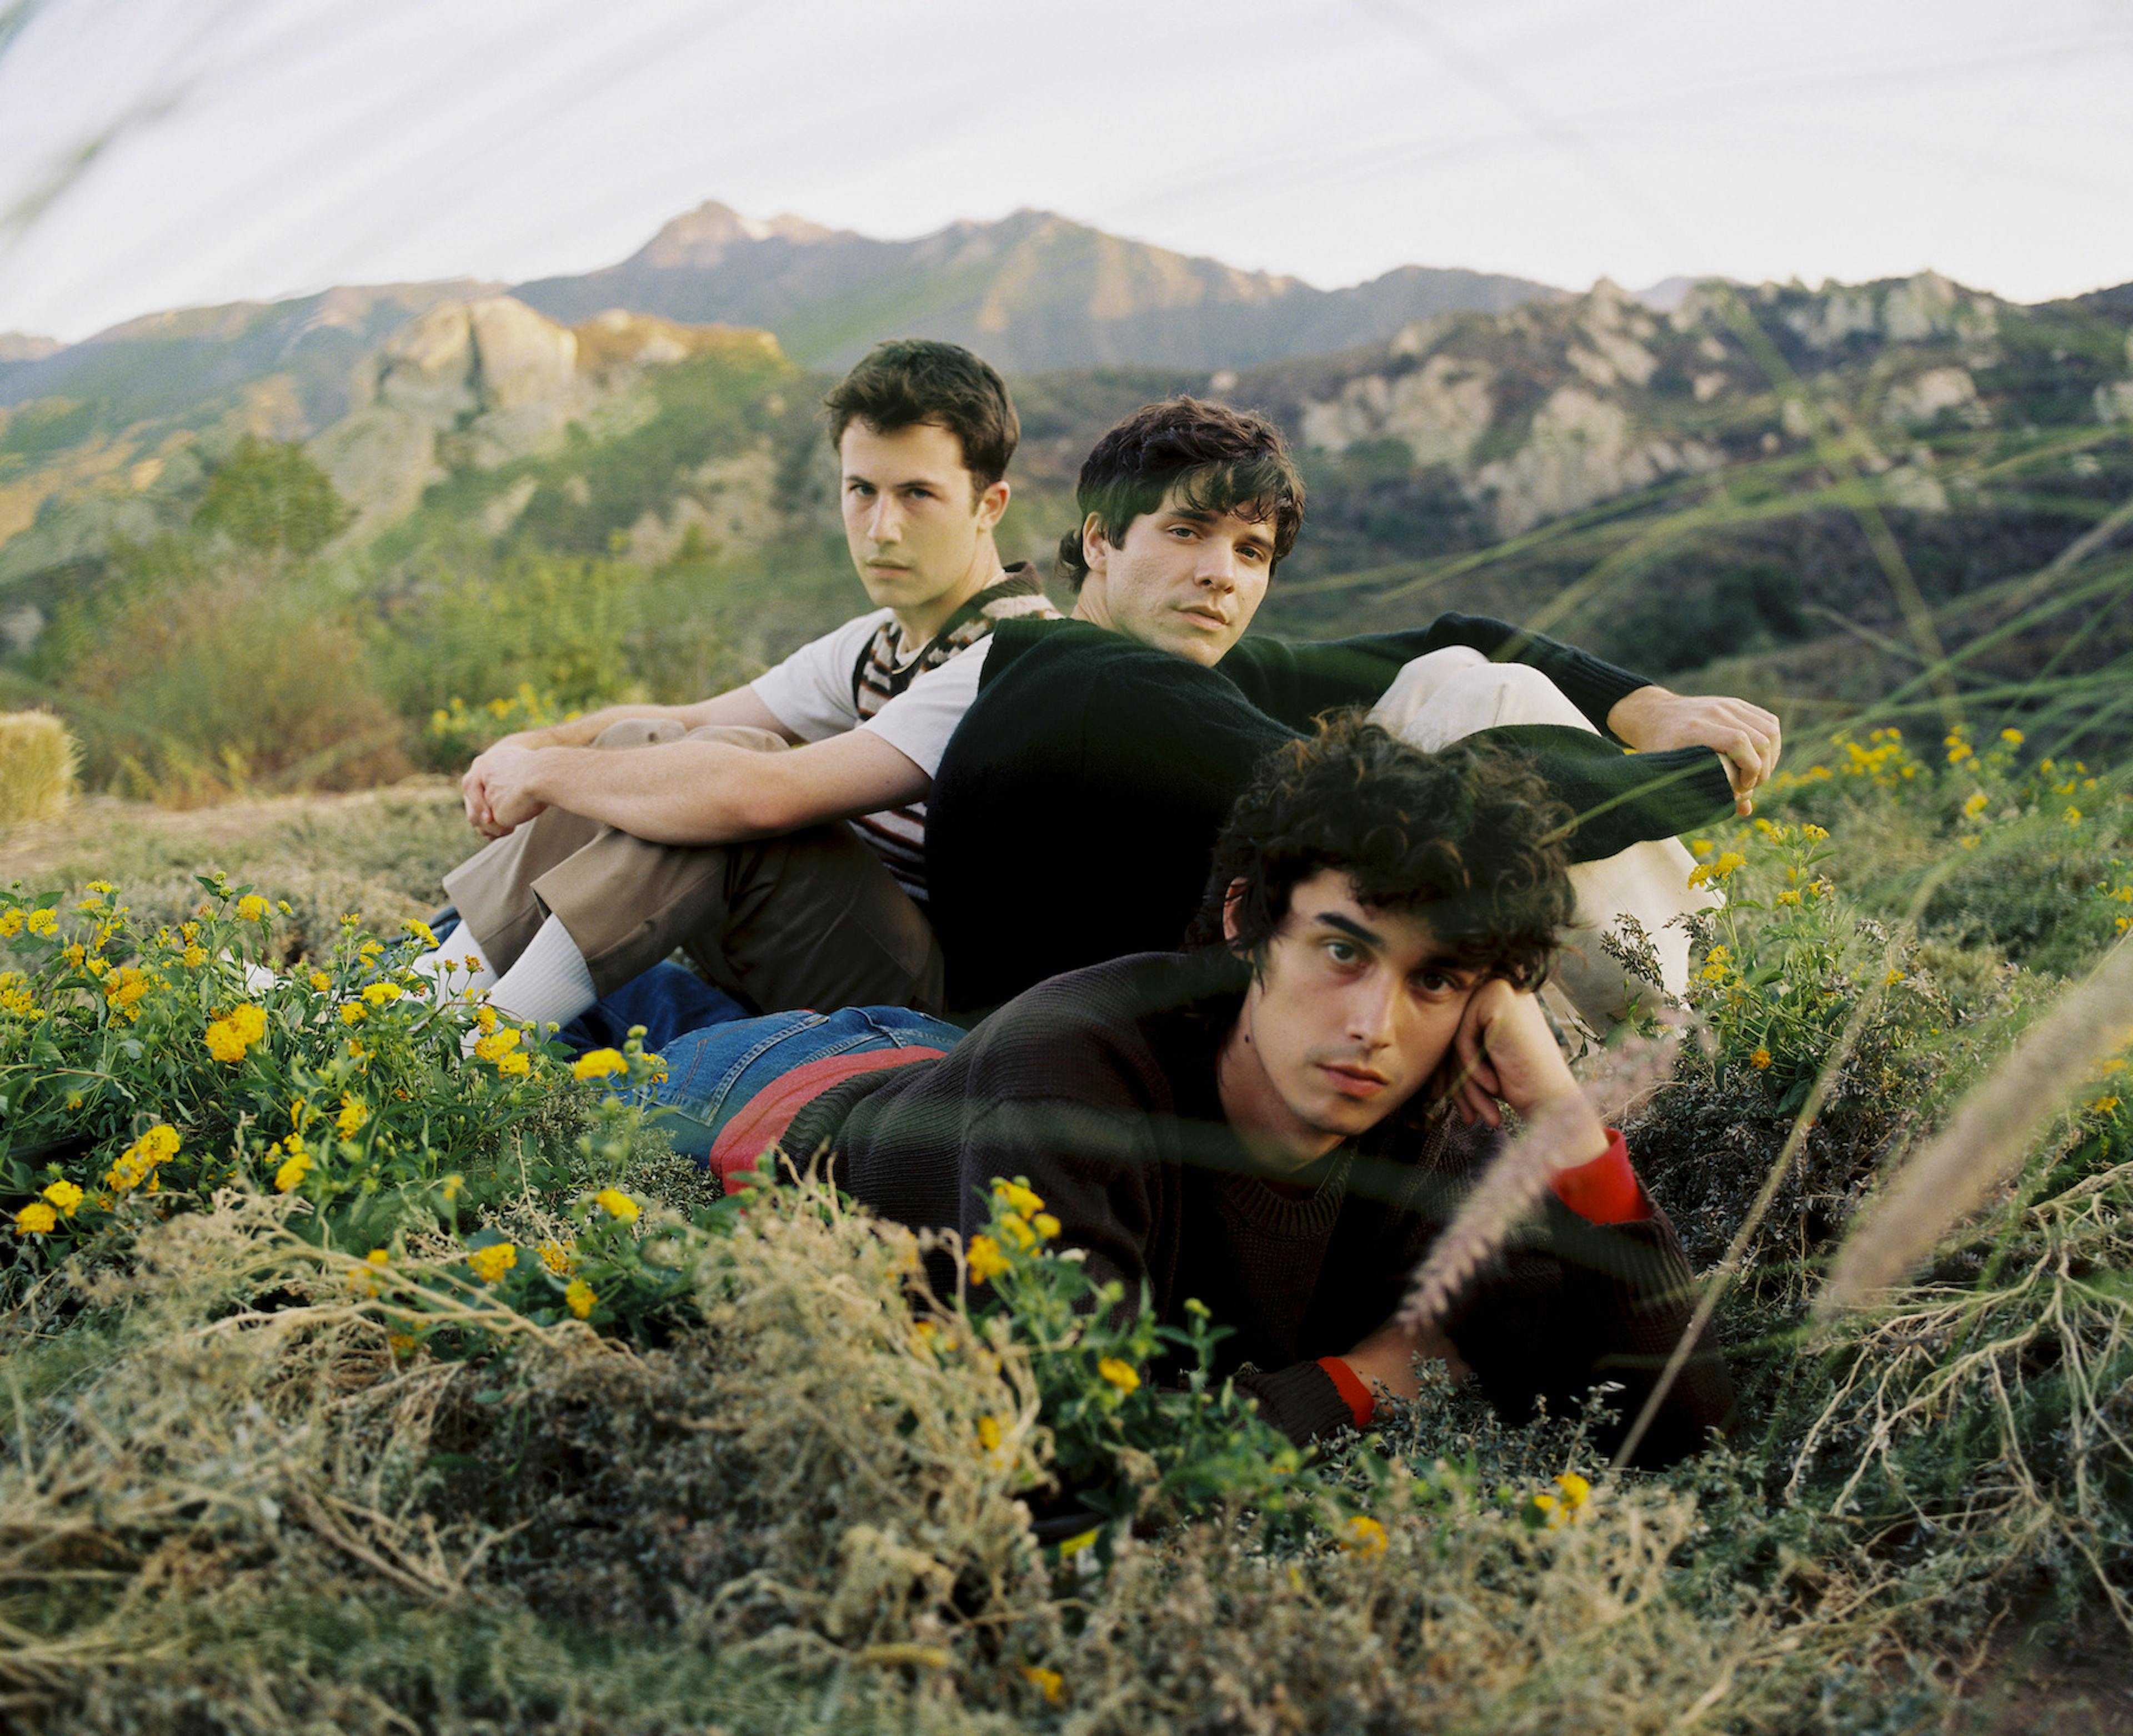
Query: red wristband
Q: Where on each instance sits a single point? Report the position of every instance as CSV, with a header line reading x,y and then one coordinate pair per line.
x,y
1605,1190
1353,1392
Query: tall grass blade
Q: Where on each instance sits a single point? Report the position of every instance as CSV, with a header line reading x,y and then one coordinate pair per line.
x,y
1985,1142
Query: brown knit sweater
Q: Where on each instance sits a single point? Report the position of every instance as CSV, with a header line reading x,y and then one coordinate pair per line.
x,y
1100,1087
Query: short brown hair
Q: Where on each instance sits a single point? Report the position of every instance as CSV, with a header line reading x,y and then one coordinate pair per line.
x,y
1218,459
907,381
1469,838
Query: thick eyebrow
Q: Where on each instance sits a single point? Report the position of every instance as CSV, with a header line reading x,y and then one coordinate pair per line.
x,y
1445,962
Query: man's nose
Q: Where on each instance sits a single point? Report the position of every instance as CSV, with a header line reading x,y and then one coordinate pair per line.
x,y
1218,566
1372,1008
885,521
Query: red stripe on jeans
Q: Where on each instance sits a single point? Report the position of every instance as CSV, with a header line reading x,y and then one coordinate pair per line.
x,y
761,1121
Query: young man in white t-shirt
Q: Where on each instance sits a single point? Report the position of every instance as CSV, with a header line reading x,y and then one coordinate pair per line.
x,y
795,878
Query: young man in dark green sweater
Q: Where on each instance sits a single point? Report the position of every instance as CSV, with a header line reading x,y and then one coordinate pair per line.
x,y
1074,807
1278,1123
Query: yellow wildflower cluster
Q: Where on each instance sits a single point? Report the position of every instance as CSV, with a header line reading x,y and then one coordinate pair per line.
x,y
382,994
1959,745
595,1063
616,1204
1022,1218
65,1197
125,988
353,1113
1717,964
1704,874
137,1162
1883,761
229,1036
1572,1492
492,1262
579,1297
984,1260
296,1165
559,1258
15,1000
1050,1683
500,1049
1364,1536
35,1218
1120,1373
252,907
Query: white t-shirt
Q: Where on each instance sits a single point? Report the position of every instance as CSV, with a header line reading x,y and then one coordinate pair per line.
x,y
811,693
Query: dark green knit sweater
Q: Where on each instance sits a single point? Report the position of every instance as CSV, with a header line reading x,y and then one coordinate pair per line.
x,y
1075,812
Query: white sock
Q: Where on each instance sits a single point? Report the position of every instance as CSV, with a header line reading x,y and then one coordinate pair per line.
x,y
449,967
551,983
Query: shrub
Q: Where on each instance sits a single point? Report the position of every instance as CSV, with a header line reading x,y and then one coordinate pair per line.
x,y
36,767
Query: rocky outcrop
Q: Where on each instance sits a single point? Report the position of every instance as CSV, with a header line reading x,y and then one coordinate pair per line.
x,y
476,383
1582,450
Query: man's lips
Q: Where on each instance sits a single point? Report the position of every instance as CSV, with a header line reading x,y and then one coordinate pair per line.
x,y
1354,1081
1205,617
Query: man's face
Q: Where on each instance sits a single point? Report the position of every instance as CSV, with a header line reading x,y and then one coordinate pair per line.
x,y
913,517
1353,1010
1184,581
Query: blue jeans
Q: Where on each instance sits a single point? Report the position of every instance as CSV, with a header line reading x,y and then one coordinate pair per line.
x,y
713,1074
667,1000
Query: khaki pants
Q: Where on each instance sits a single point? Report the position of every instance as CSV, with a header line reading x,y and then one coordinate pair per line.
x,y
811,919
1455,693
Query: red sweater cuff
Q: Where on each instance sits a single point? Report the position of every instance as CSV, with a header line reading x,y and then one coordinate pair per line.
x,y
1352,1390
1605,1190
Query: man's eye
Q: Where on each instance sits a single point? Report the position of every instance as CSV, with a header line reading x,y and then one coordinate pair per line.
x,y
858,487
1435,983
1342,952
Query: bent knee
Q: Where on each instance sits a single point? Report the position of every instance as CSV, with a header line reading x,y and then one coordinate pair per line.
x,y
1505,693
638,732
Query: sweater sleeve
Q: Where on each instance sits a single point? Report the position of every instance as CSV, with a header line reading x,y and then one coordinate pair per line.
x,y
1295,682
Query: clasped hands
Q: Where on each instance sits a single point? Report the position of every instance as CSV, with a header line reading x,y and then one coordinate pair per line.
x,y
1745,736
496,789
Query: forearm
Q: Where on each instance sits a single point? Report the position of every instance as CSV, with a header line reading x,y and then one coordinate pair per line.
x,y
680,792
582,732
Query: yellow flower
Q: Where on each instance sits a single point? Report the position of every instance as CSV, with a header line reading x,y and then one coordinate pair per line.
x,y
492,1262
1576,1490
598,1064
485,1018
558,1259
193,958
11,923
291,1175
321,982
984,1260
989,1433
382,994
1788,897
1549,1508
1759,1060
1975,804
248,1022
2013,738
378,1257
452,1186
579,1298
1015,1196
616,1204
352,1116
1050,1683
1046,1225
2101,1106
1121,1374
515,1065
353,1013
496,1045
1699,846
1970,842
1365,1535
1813,834
66,1197
1018,1230
223,1042
36,1219
251,908
420,930
42,922
2073,817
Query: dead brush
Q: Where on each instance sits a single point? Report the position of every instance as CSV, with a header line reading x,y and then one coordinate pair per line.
x,y
38,760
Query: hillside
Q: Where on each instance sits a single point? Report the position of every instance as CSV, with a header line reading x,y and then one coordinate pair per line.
x,y
1030,292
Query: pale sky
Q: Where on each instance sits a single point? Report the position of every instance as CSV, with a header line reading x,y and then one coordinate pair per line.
x,y
243,149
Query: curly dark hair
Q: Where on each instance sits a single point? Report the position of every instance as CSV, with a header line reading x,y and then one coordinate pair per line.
x,y
1469,837
1218,459
909,380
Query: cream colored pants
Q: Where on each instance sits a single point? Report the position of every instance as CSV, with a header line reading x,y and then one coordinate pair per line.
x,y
1455,693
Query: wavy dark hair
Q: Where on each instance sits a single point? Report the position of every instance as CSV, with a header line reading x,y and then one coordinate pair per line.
x,y
1469,838
910,380
1218,459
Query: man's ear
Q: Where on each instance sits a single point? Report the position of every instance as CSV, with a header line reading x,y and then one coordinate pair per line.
x,y
1232,901
992,503
1095,546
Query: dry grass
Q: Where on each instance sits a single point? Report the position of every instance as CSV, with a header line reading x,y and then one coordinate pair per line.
x,y
37,760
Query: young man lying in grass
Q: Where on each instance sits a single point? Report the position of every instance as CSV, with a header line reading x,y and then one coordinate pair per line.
x,y
1278,1121
708,835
